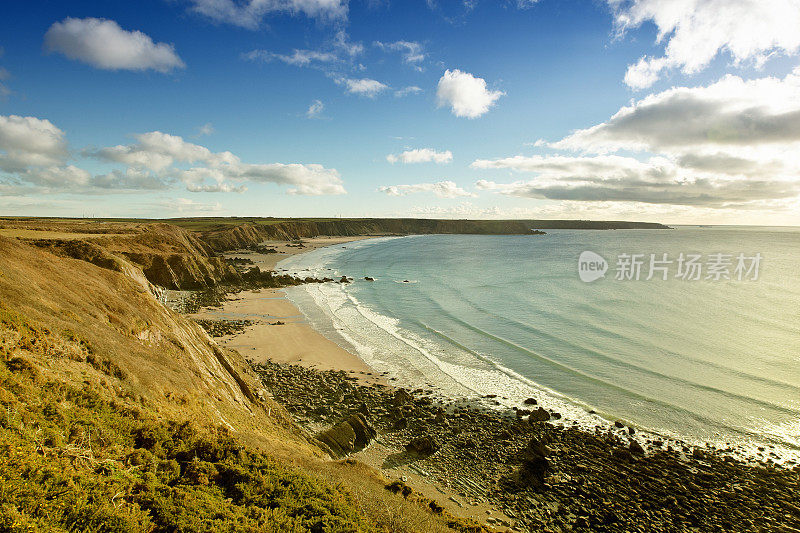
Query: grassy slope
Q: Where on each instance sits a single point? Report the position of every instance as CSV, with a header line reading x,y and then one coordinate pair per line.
x,y
97,384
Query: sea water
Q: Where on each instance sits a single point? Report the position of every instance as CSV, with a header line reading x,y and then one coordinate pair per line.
x,y
715,359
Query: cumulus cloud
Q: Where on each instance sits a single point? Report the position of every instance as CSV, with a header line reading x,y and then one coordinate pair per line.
x,y
362,87
34,151
166,155
466,95
696,31
675,191
315,109
249,13
442,189
729,113
103,44
30,142
129,179
734,143
421,155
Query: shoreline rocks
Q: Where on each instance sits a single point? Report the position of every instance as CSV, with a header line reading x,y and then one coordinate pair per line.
x,y
544,476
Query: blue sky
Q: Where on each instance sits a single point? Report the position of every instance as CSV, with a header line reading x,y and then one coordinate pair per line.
x,y
296,107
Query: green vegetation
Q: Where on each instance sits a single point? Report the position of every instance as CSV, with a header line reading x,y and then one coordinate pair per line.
x,y
76,459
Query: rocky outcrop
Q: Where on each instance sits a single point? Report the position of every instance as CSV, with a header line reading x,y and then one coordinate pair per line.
x,y
348,436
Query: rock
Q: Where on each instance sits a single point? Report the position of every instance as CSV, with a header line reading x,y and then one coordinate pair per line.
x,y
426,445
619,424
402,397
636,448
344,280
534,463
349,436
530,401
367,278
622,453
539,415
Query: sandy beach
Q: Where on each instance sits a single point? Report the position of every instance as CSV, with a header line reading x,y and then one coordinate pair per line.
x,y
287,248
292,341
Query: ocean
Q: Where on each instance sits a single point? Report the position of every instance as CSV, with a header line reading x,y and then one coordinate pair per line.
x,y
714,359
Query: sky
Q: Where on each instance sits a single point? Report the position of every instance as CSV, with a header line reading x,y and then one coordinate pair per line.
x,y
673,111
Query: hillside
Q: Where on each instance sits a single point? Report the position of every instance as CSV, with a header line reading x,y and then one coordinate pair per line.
x,y
121,415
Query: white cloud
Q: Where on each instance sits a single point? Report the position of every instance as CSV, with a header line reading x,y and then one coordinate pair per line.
x,y
732,144
298,58
64,176
249,13
343,44
466,95
165,154
205,129
442,189
731,113
363,87
696,31
129,179
405,91
186,206
103,44
412,51
421,155
34,151
315,109
30,141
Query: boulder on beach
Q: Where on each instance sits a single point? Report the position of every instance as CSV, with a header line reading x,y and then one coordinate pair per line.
x,y
534,463
636,448
425,445
349,436
530,401
539,415
402,397
367,278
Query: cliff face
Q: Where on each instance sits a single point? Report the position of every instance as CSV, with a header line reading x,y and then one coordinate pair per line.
x,y
232,236
228,238
167,255
93,316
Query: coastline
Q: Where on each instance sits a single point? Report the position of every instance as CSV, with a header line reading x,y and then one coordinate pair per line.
x,y
276,330
502,468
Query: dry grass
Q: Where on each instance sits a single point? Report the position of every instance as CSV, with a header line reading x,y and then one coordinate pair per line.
x,y
34,234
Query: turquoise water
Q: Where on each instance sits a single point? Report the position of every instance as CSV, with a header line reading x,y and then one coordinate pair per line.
x,y
508,315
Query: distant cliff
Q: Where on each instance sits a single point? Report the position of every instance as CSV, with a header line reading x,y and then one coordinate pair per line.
x,y
229,234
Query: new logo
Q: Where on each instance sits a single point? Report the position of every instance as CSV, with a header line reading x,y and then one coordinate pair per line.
x,y
591,267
